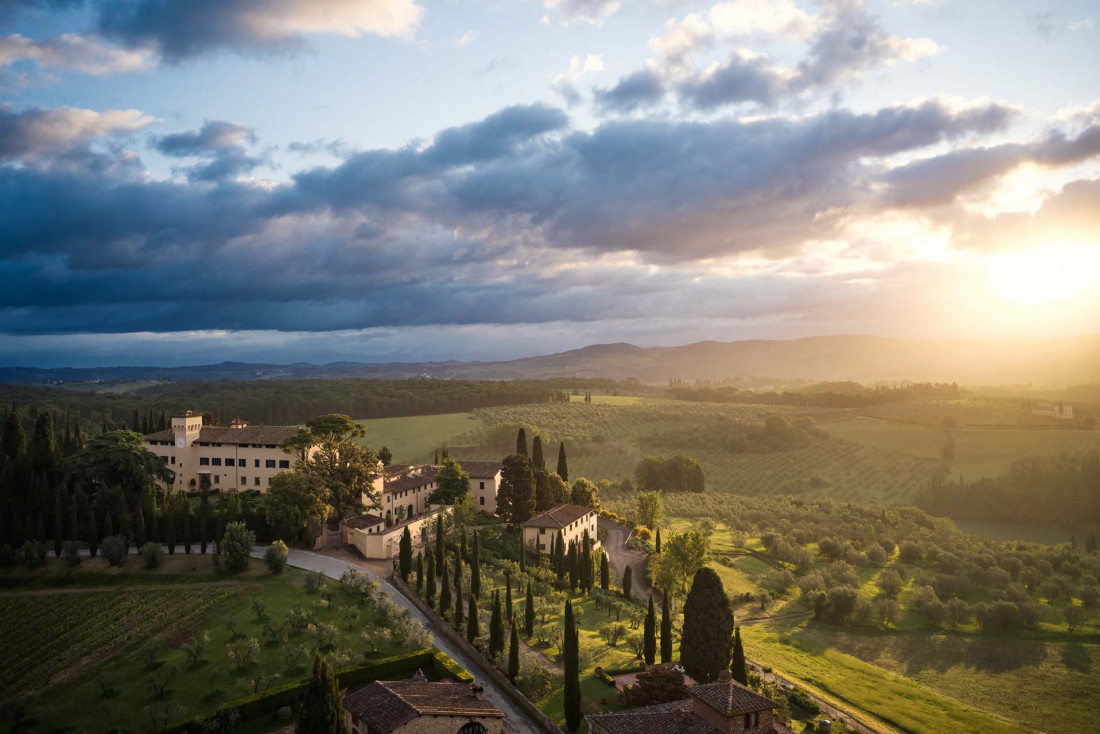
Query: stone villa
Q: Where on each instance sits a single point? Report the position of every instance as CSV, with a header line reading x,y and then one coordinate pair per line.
x,y
416,706
571,520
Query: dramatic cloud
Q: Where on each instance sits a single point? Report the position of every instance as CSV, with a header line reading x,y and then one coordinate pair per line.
x,y
28,134
71,52
180,30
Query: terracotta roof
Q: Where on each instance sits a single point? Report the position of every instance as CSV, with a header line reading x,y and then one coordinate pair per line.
x,y
665,718
408,480
558,517
387,705
220,434
731,698
481,469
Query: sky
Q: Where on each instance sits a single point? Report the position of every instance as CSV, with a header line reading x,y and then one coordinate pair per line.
x,y
193,181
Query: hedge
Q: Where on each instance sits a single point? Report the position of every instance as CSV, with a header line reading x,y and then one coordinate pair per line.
x,y
290,694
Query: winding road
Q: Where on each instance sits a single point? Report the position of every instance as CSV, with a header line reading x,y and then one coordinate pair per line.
x,y
515,719
619,556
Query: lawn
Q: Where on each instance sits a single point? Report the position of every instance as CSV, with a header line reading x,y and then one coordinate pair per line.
x,y
979,452
414,439
172,616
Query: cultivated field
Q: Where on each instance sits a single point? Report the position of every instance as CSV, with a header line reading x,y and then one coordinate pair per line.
x,y
413,439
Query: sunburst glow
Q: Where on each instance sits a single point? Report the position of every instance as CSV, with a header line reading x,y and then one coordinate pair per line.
x,y
1050,273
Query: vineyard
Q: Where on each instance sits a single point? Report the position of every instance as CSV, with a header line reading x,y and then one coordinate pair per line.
x,y
52,638
606,441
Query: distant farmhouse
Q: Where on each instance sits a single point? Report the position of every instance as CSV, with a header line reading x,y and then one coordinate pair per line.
x,y
230,459
417,706
571,520
725,707
1053,410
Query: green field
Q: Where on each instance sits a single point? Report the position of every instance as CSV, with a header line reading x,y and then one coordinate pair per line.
x,y
414,439
979,452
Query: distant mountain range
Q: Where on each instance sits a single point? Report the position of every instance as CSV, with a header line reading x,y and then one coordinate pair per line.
x,y
1054,362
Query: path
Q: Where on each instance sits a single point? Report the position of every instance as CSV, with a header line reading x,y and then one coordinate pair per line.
x,y
335,567
827,709
619,556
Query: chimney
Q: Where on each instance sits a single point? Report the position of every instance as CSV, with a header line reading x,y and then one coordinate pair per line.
x,y
477,691
724,677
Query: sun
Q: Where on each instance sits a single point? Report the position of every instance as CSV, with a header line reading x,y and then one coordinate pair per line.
x,y
1050,273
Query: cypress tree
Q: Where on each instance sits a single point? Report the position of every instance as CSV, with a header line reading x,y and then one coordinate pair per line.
x,y
323,706
508,598
40,529
429,590
458,565
170,530
522,554
521,442
439,539
496,628
187,533
666,631
628,581
586,564
74,523
15,438
563,464
458,603
657,545
559,557
419,572
108,525
570,653
139,526
475,566
472,622
536,454
574,566
93,534
708,628
650,635
605,573
204,511
404,563
445,591
463,547
529,613
513,653
738,671
58,532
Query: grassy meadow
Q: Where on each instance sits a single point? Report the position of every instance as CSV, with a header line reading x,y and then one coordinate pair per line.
x,y
414,439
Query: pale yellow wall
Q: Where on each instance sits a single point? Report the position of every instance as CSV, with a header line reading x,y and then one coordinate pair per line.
x,y
382,542
574,532
484,490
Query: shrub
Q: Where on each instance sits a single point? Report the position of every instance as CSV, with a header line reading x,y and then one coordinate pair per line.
x,y
275,556
237,546
315,582
114,549
71,550
33,553
800,699
152,554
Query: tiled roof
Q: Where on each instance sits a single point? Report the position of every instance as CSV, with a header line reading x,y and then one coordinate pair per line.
x,y
247,435
481,469
558,517
364,521
387,705
408,480
665,718
731,698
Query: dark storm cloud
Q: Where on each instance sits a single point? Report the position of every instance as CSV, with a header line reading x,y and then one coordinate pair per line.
x,y
737,80
638,90
466,229
220,143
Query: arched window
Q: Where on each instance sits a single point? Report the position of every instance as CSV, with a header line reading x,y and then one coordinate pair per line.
x,y
472,728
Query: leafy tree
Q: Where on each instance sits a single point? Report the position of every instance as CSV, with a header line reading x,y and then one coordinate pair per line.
x,y
890,582
114,549
656,685
684,554
385,455
152,554
276,556
323,706
294,504
329,454
670,474
708,628
119,459
738,671
451,484
237,546
666,631
405,554
563,463
628,580
570,658
649,650
513,648
1075,616
650,510
585,493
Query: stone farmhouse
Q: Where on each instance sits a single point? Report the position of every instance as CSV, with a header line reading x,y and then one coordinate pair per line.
x,y
571,520
724,707
416,706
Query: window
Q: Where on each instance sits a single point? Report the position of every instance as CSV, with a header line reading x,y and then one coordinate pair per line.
x,y
542,531
217,479
242,462
270,446
204,461
257,482
173,460
482,485
217,461
270,463
482,500
257,445
244,481
284,463
257,463
269,481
